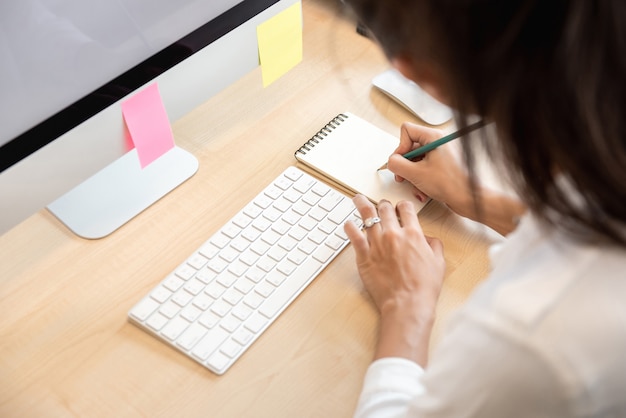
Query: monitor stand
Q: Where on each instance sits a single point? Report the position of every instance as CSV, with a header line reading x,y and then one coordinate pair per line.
x,y
120,191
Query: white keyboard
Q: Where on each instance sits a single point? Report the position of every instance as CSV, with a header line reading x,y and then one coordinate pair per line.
x,y
220,300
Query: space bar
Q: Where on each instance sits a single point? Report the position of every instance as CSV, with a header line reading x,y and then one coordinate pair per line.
x,y
289,288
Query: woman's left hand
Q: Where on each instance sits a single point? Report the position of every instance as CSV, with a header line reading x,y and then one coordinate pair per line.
x,y
403,271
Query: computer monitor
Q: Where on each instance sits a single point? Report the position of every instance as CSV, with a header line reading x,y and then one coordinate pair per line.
x,y
67,65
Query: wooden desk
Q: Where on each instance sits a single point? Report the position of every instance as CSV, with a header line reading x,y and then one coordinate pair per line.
x,y
66,347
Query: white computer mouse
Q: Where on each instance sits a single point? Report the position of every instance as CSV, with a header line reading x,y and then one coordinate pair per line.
x,y
412,97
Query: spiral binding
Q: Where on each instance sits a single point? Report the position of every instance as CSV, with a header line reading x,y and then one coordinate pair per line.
x,y
323,133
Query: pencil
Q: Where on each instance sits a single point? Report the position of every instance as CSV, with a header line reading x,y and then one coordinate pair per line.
x,y
431,146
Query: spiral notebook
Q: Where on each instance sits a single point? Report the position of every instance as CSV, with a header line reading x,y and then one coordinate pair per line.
x,y
348,151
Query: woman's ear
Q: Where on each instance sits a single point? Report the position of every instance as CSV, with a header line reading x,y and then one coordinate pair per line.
x,y
424,74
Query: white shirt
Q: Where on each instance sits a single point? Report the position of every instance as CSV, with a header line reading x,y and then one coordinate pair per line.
x,y
544,336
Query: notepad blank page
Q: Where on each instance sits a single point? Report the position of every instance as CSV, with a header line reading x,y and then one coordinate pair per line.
x,y
351,153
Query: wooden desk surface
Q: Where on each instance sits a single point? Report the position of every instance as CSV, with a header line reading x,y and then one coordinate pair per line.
x,y
66,347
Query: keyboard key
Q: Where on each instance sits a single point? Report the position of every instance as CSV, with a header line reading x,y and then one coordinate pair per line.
x,y
244,285
264,289
327,227
273,192
243,336
231,230
242,312
307,247
317,236
233,296
253,300
283,183
220,240
323,254
209,320
320,189
215,290
210,342
304,183
182,297
157,321
221,308
191,313
298,233
203,301
335,242
209,250
331,200
173,283
256,323
252,211
293,173
191,336
160,294
308,223
242,220
263,202
255,274
292,195
197,261
230,323
231,348
301,208
341,212
297,257
217,264
311,198
218,361
228,254
185,272
289,289
194,286
170,309
174,328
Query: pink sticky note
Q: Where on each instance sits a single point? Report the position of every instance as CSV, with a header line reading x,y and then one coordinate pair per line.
x,y
148,124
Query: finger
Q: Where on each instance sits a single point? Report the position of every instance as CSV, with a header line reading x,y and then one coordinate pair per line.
x,y
364,206
368,211
413,135
408,215
387,214
400,166
421,196
406,138
436,245
357,238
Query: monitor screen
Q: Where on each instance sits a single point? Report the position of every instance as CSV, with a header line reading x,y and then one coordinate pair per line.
x,y
68,62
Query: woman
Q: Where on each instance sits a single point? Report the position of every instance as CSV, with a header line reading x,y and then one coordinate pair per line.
x,y
545,335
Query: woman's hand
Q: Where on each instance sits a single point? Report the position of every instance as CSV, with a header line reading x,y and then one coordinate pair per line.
x,y
403,271
439,175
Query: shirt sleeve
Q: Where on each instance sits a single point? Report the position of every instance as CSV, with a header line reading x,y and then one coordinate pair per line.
x,y
389,386
477,371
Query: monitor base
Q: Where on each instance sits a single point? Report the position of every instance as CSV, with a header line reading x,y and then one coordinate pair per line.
x,y
120,191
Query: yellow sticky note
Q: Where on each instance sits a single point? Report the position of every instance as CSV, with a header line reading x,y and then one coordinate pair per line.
x,y
280,43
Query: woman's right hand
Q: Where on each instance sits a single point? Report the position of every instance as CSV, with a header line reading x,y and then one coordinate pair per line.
x,y
439,175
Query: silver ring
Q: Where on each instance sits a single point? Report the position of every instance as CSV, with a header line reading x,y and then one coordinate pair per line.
x,y
370,222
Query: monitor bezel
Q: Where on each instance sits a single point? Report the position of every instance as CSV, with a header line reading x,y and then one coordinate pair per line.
x,y
99,99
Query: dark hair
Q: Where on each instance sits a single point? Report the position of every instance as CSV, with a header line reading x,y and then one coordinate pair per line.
x,y
550,74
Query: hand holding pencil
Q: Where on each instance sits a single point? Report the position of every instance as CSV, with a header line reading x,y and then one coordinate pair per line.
x,y
439,175
418,152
